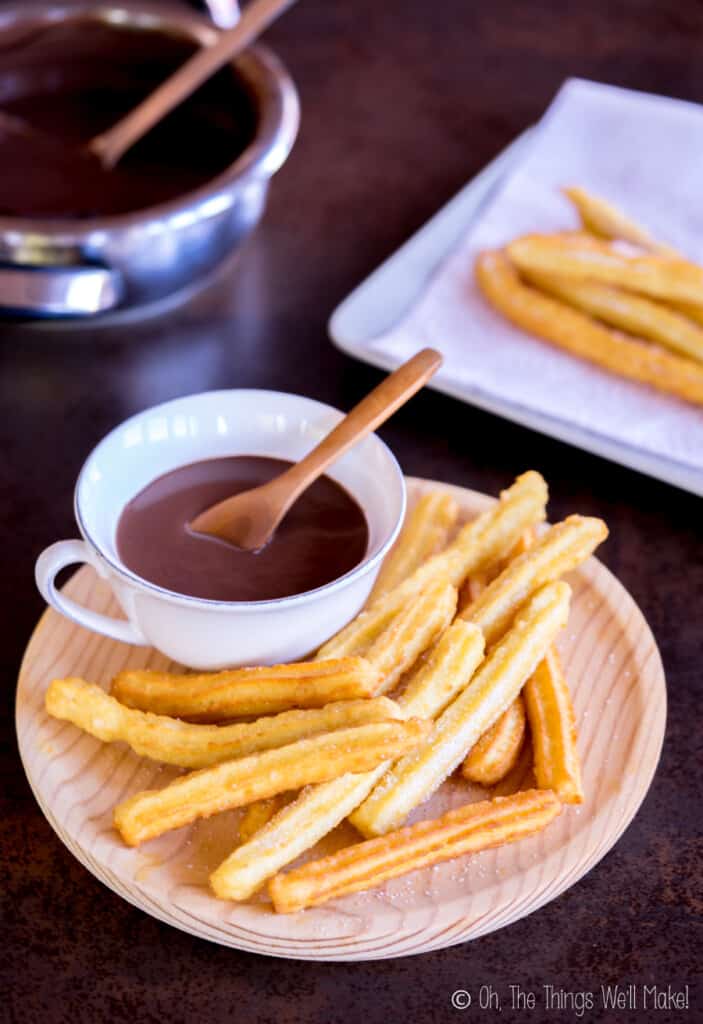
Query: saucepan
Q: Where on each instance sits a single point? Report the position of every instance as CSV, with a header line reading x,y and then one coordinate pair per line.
x,y
88,267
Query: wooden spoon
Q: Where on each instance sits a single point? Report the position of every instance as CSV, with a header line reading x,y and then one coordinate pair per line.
x,y
249,519
112,144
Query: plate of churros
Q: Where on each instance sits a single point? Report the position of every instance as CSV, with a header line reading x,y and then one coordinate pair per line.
x,y
464,750
564,285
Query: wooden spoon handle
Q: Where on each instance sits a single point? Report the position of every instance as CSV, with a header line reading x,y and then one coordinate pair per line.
x,y
112,144
371,411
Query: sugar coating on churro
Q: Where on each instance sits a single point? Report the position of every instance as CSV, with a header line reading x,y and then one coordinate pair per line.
x,y
236,783
496,684
197,746
318,809
479,543
553,729
558,551
411,632
212,696
497,751
466,829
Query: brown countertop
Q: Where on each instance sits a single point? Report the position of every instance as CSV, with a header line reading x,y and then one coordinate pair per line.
x,y
402,103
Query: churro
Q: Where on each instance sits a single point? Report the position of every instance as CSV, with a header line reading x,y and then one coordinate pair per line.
x,y
496,753
577,255
567,328
425,532
256,815
498,749
478,544
318,809
467,829
236,783
559,550
197,746
521,775
411,632
688,309
444,673
608,221
214,696
553,729
493,688
629,312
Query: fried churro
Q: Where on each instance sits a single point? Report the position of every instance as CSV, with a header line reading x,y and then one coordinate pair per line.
x,y
197,746
521,775
214,696
318,809
467,829
411,632
479,543
493,688
499,748
553,729
496,753
425,532
567,328
256,815
627,311
559,550
444,673
236,783
577,255
608,221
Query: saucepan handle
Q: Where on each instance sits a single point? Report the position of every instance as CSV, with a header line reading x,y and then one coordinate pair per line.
x,y
70,552
76,290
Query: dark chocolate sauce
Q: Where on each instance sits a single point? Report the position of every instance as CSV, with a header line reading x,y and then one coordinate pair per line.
x,y
322,537
73,80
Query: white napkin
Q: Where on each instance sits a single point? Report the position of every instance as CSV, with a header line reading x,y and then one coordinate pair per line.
x,y
644,153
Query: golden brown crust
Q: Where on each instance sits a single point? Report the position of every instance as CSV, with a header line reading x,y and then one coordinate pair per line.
x,y
577,255
635,314
236,783
559,550
553,730
571,330
214,696
446,671
493,688
411,632
198,746
498,750
481,542
464,830
608,221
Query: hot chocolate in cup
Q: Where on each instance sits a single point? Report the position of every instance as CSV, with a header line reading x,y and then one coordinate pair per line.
x,y
212,634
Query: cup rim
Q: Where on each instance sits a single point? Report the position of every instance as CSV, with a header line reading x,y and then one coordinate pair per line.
x,y
367,564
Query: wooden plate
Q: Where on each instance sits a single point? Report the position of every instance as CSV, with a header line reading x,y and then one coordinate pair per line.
x,y
617,679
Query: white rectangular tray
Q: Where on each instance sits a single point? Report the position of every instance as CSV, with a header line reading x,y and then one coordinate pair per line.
x,y
385,296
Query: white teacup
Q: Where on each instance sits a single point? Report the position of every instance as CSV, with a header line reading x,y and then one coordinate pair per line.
x,y
214,634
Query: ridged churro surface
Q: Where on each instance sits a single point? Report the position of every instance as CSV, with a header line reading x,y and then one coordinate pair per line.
x,y
467,829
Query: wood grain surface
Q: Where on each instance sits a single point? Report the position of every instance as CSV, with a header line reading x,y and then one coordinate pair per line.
x,y
613,665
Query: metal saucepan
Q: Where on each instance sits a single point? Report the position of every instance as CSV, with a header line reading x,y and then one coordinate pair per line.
x,y
92,266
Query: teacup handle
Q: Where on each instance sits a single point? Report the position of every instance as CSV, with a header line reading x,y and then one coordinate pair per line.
x,y
69,552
